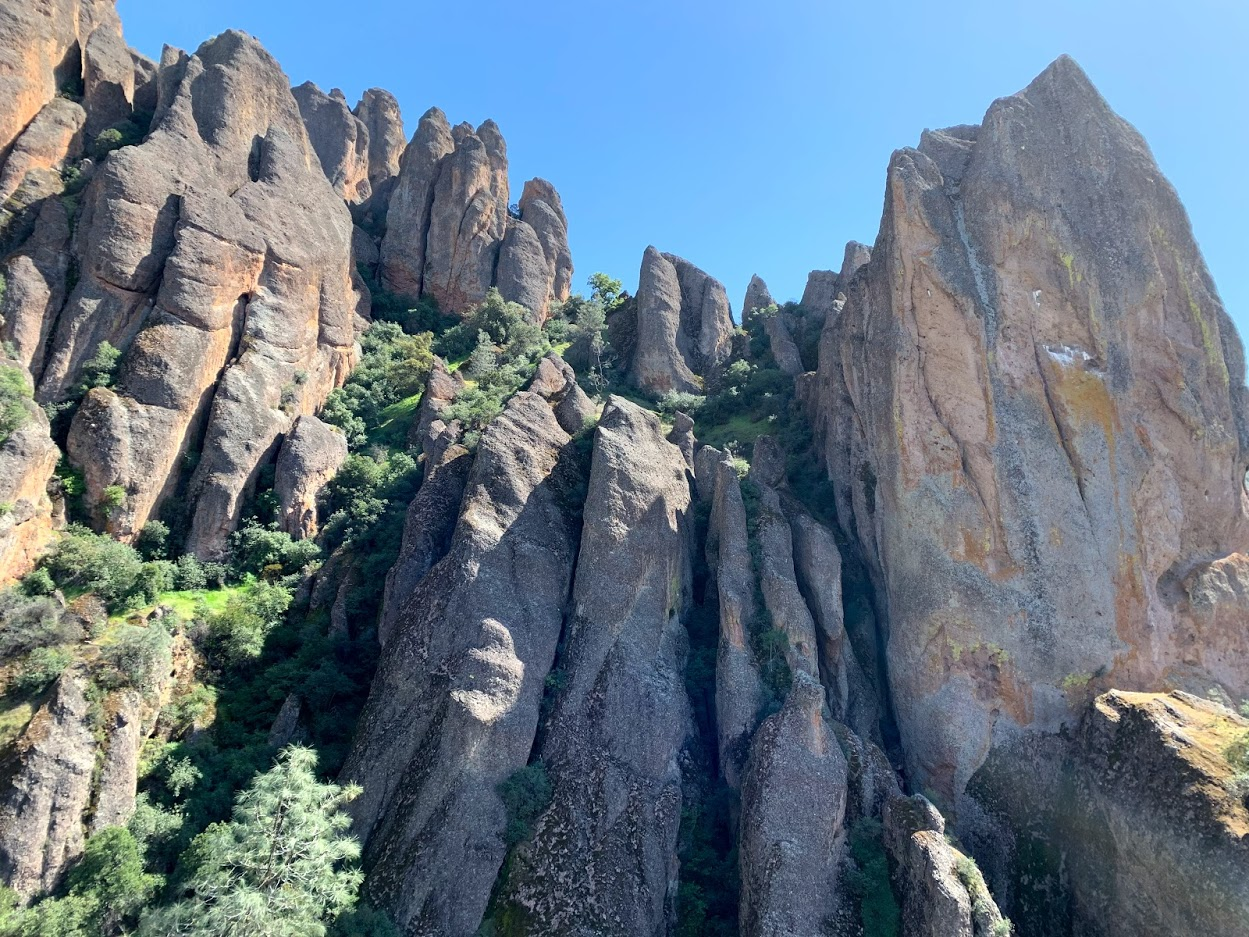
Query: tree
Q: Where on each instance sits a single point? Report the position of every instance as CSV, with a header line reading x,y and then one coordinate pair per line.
x,y
153,540
101,367
283,866
483,359
607,290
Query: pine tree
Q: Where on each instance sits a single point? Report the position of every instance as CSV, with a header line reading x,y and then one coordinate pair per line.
x,y
282,866
483,360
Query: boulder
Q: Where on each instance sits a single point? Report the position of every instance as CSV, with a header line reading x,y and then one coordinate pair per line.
x,y
311,455
453,710
535,264
603,856
441,388
55,135
556,383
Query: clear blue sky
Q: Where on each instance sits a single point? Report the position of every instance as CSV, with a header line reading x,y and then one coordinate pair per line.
x,y
753,137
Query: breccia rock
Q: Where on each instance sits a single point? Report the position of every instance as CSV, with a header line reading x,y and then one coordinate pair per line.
x,y
603,857
108,79
340,139
758,302
441,388
47,785
219,257
825,291
683,326
311,454
453,710
793,807
1035,425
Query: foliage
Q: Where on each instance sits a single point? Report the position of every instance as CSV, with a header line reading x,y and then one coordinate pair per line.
x,y
29,622
38,582
237,633
153,540
101,368
674,400
42,666
869,880
135,657
14,394
283,866
113,497
707,898
363,492
257,550
126,133
483,360
607,291
525,795
393,366
93,562
505,323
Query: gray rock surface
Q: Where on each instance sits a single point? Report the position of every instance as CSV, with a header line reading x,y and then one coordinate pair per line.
x,y
46,788
454,706
793,807
28,458
602,858
556,383
340,139
683,326
311,454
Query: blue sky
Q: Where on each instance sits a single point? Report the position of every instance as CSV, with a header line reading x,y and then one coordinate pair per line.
x,y
753,137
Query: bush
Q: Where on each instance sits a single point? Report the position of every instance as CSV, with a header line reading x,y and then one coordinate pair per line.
x,y
95,563
100,369
38,582
258,550
153,540
113,497
869,881
43,665
14,394
526,794
28,622
135,658
236,634
189,573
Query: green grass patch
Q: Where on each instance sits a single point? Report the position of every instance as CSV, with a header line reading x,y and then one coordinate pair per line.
x,y
741,429
14,716
395,422
186,603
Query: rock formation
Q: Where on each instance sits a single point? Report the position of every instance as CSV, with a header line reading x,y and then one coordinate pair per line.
x,y
218,255
28,458
340,140
454,706
1043,435
310,455
682,324
603,856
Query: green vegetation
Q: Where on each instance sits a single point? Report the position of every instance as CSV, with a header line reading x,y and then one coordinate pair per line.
x,y
101,368
126,133
869,880
283,866
1238,757
393,368
14,394
42,666
525,795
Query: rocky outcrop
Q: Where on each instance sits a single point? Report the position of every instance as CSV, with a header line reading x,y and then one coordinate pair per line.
x,y
55,135
454,707
535,264
220,257
379,112
108,74
739,691
1034,422
793,805
825,292
602,858
556,383
429,523
411,205
943,893
1160,830
45,788
758,303
310,456
683,326
441,388
28,458
340,139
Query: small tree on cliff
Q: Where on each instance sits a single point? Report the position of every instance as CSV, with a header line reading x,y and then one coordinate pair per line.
x,y
282,867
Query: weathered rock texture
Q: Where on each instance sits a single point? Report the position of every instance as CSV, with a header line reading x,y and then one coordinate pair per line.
x,y
793,805
28,458
217,254
683,326
556,383
824,295
602,858
454,706
310,456
339,138
535,264
1034,421
46,786
1163,840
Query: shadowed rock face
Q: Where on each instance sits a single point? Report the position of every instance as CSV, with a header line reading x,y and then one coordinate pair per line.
x,y
683,326
218,255
379,112
535,265
454,706
310,456
28,458
340,139
602,858
1034,423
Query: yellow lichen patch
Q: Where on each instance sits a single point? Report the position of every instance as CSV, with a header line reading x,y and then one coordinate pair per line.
x,y
1069,262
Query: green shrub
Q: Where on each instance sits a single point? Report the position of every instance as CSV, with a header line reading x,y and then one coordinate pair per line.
x,y
42,666
28,622
14,394
189,573
255,549
153,540
526,794
38,582
869,881
135,658
92,562
113,497
236,634
101,368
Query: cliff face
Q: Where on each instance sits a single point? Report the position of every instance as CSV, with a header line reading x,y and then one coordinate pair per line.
x,y
942,600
